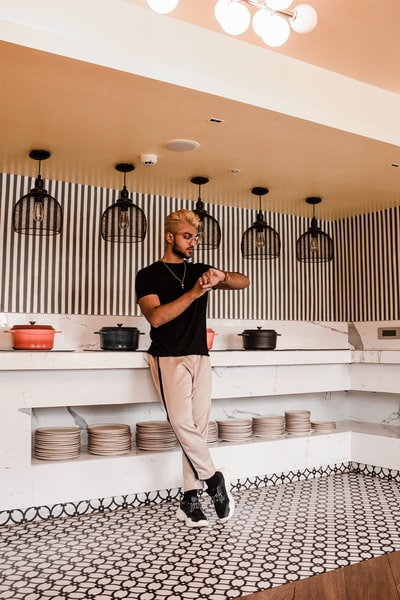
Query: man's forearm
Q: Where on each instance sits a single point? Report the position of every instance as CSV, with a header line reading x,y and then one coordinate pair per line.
x,y
234,281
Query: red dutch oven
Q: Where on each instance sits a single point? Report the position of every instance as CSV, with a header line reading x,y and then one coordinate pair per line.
x,y
210,337
32,336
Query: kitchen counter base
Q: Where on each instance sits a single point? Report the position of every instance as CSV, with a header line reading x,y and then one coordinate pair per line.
x,y
49,483
68,379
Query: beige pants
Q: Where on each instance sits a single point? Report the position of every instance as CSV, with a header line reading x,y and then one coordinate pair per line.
x,y
184,385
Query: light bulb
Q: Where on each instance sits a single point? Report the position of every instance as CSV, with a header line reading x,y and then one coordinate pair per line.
x,y
163,6
200,229
276,32
219,9
38,212
123,222
233,17
305,18
260,239
314,246
260,21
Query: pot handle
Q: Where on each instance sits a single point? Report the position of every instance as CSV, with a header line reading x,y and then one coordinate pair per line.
x,y
247,334
105,332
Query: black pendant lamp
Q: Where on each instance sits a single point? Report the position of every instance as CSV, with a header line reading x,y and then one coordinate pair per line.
x,y
123,222
314,246
38,213
209,229
260,241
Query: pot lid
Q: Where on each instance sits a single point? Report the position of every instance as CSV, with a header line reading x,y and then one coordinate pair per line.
x,y
119,327
260,331
32,325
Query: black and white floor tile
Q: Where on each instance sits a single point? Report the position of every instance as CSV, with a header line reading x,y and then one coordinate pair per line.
x,y
278,534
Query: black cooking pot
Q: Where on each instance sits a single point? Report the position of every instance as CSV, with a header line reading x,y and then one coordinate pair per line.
x,y
259,339
119,338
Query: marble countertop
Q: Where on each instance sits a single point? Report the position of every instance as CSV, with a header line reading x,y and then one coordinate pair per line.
x,y
18,360
387,357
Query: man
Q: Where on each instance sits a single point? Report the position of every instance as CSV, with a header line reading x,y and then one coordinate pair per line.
x,y
172,295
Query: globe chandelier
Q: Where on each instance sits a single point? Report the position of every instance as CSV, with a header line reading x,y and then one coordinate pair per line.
x,y
272,20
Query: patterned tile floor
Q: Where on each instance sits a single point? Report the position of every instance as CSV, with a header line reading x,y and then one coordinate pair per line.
x,y
278,534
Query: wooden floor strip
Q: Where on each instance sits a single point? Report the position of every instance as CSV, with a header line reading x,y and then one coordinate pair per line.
x,y
394,562
329,586
373,579
370,580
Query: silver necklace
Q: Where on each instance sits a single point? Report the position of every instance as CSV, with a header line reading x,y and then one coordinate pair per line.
x,y
181,281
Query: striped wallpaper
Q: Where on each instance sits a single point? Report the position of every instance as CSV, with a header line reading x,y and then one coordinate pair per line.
x,y
77,272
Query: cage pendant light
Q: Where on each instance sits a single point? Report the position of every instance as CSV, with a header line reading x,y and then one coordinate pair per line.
x,y
123,222
38,213
314,246
209,229
260,241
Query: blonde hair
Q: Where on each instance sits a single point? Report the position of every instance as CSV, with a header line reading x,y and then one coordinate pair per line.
x,y
175,219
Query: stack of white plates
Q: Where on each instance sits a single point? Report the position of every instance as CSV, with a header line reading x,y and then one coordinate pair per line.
x,y
109,439
212,436
155,436
57,443
235,430
297,422
269,426
323,426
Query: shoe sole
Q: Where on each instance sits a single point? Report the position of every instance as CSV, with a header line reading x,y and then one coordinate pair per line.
x,y
227,481
188,522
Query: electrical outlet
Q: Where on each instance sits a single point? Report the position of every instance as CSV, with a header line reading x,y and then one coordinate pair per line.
x,y
388,333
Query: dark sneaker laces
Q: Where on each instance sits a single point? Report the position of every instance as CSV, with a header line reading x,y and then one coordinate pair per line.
x,y
222,498
192,509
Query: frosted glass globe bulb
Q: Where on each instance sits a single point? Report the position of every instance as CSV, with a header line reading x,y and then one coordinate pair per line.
x,y
162,6
233,17
305,18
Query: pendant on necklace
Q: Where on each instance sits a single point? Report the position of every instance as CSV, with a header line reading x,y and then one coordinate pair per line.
x,y
181,281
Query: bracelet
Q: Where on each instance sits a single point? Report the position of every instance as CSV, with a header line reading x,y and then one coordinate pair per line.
x,y
226,275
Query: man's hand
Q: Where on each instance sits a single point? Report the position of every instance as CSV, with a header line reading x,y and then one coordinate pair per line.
x,y
211,278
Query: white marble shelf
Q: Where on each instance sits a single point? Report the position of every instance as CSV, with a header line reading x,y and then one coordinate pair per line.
x,y
92,360
86,360
81,360
91,476
387,357
349,426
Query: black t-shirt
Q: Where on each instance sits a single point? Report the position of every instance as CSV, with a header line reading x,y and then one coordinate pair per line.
x,y
187,333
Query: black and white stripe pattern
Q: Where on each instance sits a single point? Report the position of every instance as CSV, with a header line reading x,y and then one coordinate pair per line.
x,y
77,272
366,266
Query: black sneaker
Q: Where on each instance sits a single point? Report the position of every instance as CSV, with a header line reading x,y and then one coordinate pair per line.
x,y
222,498
191,512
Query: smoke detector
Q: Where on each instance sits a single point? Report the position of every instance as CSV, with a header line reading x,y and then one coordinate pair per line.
x,y
148,160
182,145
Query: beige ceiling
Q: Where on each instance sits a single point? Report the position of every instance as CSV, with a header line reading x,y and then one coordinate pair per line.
x,y
90,117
